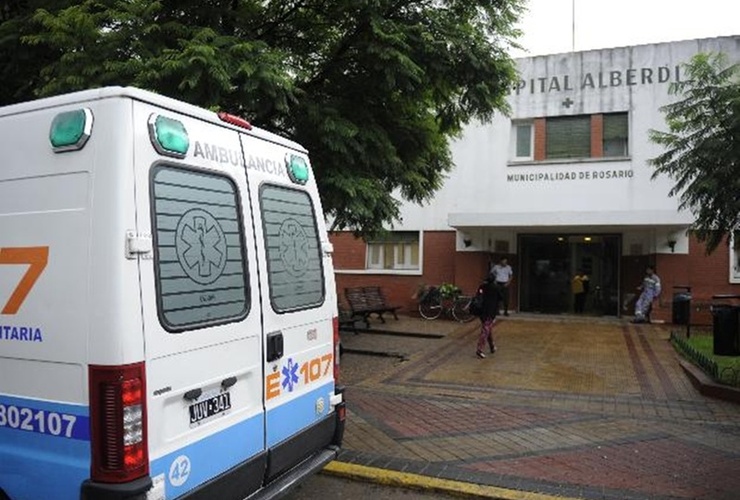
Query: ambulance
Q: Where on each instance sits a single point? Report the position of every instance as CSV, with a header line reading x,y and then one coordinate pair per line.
x,y
168,311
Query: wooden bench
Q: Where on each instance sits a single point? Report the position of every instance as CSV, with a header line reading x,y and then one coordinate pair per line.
x,y
368,300
347,320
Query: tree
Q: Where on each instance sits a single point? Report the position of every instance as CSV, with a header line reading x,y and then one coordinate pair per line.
x,y
702,146
375,89
21,62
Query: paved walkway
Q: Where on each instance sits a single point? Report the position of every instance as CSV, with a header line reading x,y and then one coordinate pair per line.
x,y
591,409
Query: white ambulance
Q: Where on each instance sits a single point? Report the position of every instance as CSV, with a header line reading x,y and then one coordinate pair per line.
x,y
168,312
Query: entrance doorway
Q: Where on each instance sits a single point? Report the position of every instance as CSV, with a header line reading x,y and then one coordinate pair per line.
x,y
548,263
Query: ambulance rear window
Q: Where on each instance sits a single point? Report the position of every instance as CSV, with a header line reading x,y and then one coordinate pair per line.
x,y
293,249
201,278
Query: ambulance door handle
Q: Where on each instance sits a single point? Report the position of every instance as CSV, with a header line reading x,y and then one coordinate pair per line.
x,y
274,346
228,382
193,394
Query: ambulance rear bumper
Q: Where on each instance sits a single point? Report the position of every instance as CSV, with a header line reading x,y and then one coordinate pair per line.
x,y
134,490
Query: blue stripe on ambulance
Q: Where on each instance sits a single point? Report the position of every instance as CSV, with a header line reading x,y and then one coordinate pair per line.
x,y
44,448
293,416
189,467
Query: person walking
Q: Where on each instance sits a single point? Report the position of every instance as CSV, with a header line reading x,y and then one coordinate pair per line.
x,y
502,275
489,311
650,290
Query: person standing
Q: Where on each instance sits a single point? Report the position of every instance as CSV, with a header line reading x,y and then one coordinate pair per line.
x,y
578,286
650,290
502,275
489,311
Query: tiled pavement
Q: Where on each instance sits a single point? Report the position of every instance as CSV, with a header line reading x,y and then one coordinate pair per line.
x,y
566,407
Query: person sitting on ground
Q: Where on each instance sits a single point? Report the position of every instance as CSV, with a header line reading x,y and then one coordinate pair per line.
x,y
650,290
488,314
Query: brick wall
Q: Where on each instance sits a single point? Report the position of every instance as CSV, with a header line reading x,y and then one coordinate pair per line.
x,y
439,267
470,269
349,252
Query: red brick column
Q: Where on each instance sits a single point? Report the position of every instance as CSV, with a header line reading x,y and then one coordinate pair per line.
x,y
597,136
540,137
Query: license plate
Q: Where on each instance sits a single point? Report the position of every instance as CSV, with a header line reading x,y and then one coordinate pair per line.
x,y
210,407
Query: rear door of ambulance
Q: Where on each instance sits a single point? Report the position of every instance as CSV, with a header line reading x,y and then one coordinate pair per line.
x,y
298,300
201,307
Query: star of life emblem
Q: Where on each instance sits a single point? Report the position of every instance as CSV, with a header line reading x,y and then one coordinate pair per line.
x,y
201,246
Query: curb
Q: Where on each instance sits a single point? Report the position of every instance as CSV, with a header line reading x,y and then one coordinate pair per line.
x,y
369,352
401,334
433,484
708,387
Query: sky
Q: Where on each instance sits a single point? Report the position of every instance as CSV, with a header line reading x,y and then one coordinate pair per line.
x,y
548,24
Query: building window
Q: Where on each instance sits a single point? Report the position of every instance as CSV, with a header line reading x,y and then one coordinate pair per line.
x,y
396,250
522,141
615,136
571,137
568,137
735,257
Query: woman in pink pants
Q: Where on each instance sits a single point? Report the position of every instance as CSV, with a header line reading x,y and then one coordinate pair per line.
x,y
489,311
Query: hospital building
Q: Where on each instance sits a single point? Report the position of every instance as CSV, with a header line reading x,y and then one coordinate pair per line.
x,y
562,183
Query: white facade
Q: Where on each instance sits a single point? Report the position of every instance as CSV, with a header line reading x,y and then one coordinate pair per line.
x,y
491,196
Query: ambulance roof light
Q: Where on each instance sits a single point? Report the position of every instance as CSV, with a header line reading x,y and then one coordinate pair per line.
x,y
70,130
234,120
297,169
169,136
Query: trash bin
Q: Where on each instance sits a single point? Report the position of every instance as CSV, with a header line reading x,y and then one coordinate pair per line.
x,y
681,309
725,329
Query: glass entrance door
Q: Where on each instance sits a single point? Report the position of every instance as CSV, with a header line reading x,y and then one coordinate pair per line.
x,y
549,263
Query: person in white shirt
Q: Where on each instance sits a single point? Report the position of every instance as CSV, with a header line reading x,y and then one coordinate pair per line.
x,y
502,274
651,289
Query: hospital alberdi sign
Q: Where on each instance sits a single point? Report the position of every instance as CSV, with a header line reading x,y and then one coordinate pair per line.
x,y
599,80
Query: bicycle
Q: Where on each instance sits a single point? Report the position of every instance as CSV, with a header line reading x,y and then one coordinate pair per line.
x,y
433,303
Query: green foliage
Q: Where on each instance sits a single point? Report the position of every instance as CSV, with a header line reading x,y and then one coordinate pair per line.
x,y
375,89
699,348
702,146
449,291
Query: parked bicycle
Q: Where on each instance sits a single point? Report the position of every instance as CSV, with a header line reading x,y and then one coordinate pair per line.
x,y
433,301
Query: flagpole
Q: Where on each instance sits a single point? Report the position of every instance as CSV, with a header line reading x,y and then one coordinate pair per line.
x,y
573,25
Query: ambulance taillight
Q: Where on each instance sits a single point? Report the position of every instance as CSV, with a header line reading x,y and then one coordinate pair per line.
x,y
117,417
337,348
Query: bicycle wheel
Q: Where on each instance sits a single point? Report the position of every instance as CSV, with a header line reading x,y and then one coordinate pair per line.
x,y
461,309
430,307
